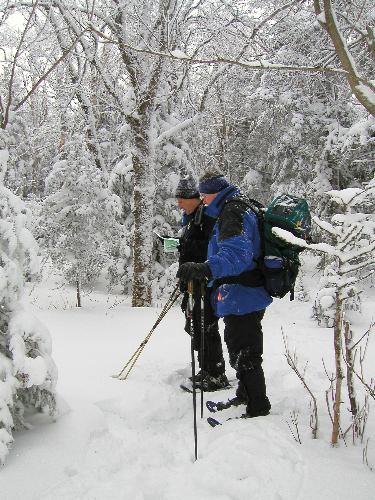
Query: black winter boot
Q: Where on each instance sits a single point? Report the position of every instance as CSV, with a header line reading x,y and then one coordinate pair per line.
x,y
212,384
198,376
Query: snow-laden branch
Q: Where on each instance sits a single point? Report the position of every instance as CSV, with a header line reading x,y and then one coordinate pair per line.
x,y
358,252
50,70
344,196
363,89
176,129
76,27
351,235
299,242
323,247
260,65
352,196
4,122
347,268
326,226
341,283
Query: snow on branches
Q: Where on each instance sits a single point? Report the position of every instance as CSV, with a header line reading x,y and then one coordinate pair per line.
x,y
78,216
27,371
350,250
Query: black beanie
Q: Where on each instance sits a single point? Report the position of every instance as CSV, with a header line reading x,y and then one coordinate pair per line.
x,y
187,188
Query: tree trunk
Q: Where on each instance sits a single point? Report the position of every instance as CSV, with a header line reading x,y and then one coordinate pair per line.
x,y
337,331
348,336
143,198
79,304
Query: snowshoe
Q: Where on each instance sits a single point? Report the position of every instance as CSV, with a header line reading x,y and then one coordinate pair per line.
x,y
213,406
214,423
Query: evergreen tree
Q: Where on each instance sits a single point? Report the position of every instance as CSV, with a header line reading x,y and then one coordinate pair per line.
x,y
27,371
78,216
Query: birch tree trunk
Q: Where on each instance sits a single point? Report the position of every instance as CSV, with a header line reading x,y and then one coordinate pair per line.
x,y
348,336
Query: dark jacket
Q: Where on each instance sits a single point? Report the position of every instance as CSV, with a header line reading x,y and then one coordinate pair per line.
x,y
196,231
233,249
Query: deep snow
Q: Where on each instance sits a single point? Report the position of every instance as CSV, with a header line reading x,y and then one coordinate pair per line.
x,y
133,439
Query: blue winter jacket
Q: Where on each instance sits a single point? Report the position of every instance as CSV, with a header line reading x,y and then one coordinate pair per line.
x,y
233,246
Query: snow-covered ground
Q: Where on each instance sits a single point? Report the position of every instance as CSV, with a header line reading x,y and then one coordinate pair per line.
x,y
133,439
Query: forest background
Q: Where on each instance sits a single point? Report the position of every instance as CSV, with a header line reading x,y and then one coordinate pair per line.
x,y
106,104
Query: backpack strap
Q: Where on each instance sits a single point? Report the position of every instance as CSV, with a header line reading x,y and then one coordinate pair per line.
x,y
199,215
253,278
258,209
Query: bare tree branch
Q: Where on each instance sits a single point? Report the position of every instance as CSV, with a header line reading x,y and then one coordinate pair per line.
x,y
50,70
363,89
13,69
293,364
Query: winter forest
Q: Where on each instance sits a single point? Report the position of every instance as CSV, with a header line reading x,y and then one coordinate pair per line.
x,y
104,106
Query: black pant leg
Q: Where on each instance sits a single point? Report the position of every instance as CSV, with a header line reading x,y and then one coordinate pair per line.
x,y
213,360
244,338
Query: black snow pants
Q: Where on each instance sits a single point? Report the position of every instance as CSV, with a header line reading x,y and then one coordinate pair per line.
x,y
244,338
213,362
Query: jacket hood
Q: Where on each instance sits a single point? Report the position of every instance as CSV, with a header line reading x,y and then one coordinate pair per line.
x,y
216,206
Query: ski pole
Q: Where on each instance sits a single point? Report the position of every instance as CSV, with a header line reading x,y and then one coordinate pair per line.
x,y
190,292
123,374
202,341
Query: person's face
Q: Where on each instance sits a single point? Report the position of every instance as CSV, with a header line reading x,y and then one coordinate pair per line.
x,y
208,198
188,204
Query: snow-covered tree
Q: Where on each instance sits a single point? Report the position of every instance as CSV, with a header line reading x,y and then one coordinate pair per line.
x,y
27,371
78,217
120,266
296,132
350,27
351,251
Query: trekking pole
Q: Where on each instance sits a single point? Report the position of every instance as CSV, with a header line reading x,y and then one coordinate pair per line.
x,y
202,341
190,303
123,374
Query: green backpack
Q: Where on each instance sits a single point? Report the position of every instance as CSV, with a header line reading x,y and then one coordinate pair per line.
x,y
279,261
278,264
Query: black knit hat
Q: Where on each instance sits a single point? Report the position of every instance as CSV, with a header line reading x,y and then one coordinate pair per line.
x,y
187,188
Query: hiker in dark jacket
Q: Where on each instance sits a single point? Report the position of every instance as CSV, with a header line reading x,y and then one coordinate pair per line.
x,y
197,227
233,249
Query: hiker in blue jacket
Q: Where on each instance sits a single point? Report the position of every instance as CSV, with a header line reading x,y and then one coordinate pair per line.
x,y
237,292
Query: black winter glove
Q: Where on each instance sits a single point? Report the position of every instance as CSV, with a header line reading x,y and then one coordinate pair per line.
x,y
194,271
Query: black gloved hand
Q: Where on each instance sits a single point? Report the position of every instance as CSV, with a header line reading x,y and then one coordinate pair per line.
x,y
194,271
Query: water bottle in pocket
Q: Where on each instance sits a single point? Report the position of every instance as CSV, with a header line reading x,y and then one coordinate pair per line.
x,y
274,274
